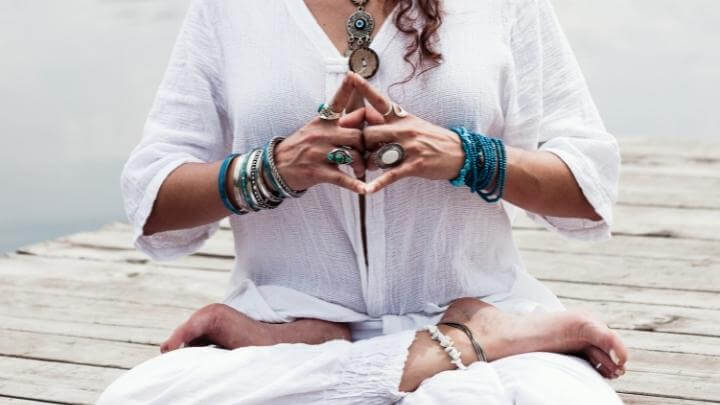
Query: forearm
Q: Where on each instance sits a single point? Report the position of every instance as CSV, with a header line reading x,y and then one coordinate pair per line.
x,y
540,182
188,198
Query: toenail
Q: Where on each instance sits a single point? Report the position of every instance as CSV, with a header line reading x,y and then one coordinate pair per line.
x,y
614,357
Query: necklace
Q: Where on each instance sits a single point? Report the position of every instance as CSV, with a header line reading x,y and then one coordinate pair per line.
x,y
360,26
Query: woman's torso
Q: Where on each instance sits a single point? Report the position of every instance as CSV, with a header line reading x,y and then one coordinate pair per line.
x,y
427,242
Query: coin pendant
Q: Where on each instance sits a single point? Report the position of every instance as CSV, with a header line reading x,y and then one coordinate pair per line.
x,y
365,62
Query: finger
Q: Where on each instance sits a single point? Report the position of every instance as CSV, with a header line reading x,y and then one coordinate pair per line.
x,y
343,94
389,177
376,135
355,119
340,179
357,101
373,116
371,94
601,362
351,137
358,164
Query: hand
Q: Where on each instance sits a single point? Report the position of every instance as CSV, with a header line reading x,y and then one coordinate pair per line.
x,y
432,152
301,159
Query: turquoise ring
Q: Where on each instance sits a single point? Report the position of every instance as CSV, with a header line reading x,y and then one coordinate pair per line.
x,y
327,113
340,156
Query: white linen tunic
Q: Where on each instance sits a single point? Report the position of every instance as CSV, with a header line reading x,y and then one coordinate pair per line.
x,y
243,72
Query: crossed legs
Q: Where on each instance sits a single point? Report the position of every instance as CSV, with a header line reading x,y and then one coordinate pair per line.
x,y
502,335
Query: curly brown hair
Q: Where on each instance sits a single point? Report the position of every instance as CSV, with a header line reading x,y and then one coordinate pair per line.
x,y
423,41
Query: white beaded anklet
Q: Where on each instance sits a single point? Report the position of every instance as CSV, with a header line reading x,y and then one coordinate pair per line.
x,y
447,344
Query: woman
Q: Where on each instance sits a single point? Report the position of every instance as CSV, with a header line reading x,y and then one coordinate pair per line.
x,y
385,252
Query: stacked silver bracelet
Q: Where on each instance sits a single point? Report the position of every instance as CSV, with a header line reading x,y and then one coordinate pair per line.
x,y
257,182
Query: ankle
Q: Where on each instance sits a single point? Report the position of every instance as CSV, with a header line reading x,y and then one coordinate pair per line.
x,y
462,343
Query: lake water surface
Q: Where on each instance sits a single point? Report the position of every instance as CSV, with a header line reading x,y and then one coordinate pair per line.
x,y
77,78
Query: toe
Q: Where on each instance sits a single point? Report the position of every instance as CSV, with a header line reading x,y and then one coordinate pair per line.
x,y
602,363
602,337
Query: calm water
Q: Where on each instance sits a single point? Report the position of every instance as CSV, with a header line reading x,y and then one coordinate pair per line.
x,y
78,77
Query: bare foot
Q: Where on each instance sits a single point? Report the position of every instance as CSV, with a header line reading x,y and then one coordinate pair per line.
x,y
502,334
223,326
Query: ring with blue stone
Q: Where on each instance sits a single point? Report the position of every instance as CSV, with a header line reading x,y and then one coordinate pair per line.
x,y
340,156
327,113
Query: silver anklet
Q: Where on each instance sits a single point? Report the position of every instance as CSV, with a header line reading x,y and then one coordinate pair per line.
x,y
447,344
479,352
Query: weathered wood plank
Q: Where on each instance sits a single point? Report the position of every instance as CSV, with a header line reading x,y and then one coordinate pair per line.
x,y
4,400
140,283
620,245
132,322
50,381
580,265
644,187
697,275
671,342
700,149
696,388
118,237
66,250
632,399
140,334
660,318
18,401
634,294
77,350
702,275
657,221
677,375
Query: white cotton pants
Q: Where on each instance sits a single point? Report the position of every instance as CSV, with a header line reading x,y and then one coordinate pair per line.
x,y
340,372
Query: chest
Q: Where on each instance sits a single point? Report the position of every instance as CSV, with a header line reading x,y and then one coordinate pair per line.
x,y
281,63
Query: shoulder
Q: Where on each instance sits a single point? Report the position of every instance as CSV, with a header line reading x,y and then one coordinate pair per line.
x,y
508,12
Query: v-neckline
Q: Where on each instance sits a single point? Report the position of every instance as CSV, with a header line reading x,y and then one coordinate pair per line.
x,y
317,35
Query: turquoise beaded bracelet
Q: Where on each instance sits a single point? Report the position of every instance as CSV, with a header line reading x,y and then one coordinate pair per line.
x,y
485,166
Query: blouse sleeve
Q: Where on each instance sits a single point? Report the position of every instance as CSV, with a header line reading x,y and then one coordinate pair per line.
x,y
187,123
552,111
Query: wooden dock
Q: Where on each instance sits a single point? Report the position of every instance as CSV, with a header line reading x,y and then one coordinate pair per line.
x,y
78,311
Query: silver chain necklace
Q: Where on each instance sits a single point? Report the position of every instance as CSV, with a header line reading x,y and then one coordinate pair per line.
x,y
360,26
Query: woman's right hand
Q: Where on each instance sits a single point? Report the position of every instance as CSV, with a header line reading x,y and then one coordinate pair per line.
x,y
301,159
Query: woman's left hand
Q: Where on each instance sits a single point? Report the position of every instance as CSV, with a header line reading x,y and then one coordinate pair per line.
x,y
431,152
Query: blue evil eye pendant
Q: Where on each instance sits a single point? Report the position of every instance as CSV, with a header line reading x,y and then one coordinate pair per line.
x,y
360,27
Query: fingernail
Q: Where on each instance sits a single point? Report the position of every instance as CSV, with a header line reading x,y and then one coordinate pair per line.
x,y
614,357
619,373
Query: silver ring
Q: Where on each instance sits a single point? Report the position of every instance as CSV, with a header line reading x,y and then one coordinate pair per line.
x,y
327,113
597,366
397,110
389,155
340,156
